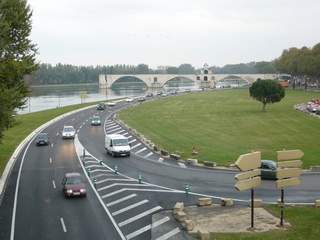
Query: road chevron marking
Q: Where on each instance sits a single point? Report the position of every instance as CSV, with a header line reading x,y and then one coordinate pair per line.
x,y
149,154
146,228
132,141
141,215
115,179
120,184
130,207
135,146
141,150
114,130
169,234
120,200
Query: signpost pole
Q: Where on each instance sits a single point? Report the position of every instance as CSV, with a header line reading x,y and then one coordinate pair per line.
x,y
282,207
252,208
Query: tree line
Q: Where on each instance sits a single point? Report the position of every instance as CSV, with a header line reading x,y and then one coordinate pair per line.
x,y
302,63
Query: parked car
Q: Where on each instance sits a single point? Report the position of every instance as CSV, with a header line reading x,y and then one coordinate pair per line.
x,y
42,139
111,104
95,121
68,132
117,145
268,169
73,185
101,106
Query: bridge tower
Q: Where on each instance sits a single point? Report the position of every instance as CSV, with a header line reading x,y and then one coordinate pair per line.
x,y
206,78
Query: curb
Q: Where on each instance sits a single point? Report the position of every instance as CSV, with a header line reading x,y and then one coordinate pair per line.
x,y
14,156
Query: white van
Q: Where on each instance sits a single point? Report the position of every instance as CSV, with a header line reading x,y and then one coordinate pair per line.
x,y
117,145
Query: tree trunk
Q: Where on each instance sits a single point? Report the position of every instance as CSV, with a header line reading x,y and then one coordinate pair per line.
x,y
264,106
294,83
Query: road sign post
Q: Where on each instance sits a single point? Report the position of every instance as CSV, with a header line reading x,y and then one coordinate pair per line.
x,y
288,173
250,177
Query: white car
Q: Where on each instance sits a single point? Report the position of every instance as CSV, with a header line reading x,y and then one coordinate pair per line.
x,y
68,132
111,104
129,100
117,145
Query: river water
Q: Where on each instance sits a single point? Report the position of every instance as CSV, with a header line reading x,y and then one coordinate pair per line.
x,y
54,96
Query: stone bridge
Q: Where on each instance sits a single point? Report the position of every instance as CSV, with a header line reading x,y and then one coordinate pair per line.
x,y
159,80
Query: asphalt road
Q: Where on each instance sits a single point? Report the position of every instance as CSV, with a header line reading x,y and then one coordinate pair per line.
x,y
119,205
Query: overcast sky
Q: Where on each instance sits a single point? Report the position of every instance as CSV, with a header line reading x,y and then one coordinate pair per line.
x,y
171,32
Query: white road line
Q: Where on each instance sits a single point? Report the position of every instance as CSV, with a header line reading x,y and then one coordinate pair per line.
x,y
95,165
52,145
121,184
130,207
112,128
57,134
113,193
169,234
102,175
135,146
100,170
120,132
111,124
63,225
80,127
141,215
78,131
91,161
120,200
115,179
54,184
50,160
125,134
149,154
132,141
146,228
141,150
182,165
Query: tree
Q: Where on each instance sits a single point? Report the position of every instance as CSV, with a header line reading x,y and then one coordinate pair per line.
x,y
267,91
142,69
172,70
186,68
17,57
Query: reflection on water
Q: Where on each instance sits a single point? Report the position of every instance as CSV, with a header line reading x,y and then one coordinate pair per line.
x,y
48,97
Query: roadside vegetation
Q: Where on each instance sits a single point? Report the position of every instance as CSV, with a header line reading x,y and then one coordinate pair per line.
x,y
24,125
303,220
221,125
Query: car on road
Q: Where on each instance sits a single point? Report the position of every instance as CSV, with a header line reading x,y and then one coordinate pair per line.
x,y
111,104
129,100
149,95
101,106
42,139
73,185
117,145
68,132
95,121
141,99
268,170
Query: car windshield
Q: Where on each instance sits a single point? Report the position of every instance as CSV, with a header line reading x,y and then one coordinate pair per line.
x,y
120,142
73,180
68,129
42,136
96,118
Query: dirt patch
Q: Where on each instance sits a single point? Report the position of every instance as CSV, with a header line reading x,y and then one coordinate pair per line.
x,y
218,219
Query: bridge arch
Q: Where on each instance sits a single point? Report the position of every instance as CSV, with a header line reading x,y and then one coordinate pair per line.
x,y
179,81
232,81
129,82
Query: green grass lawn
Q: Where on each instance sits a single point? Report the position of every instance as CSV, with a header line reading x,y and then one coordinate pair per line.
x,y
24,125
304,226
224,124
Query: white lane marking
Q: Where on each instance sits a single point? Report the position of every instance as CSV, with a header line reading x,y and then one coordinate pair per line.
x,y
52,145
146,228
91,161
120,132
13,219
111,125
102,175
182,165
169,234
115,179
125,134
50,160
130,137
114,130
57,134
95,165
63,225
80,127
120,184
149,154
78,131
113,193
110,129
130,207
120,200
132,141
141,150
135,146
100,170
141,215
54,184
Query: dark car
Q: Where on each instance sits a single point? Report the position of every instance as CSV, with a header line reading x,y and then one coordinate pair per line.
x,y
101,106
73,185
268,169
42,139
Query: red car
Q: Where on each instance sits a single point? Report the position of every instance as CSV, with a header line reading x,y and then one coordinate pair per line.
x,y
73,185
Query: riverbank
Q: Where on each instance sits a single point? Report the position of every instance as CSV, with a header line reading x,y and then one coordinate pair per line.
x,y
221,125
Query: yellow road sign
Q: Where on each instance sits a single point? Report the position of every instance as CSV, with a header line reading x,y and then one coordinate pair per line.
x,y
249,161
290,164
248,174
248,183
289,155
287,182
288,173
